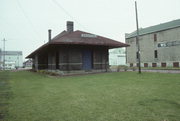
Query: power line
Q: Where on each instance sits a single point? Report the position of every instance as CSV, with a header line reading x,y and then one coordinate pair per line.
x,y
67,13
28,19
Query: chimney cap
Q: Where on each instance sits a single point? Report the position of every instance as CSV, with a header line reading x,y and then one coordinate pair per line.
x,y
70,22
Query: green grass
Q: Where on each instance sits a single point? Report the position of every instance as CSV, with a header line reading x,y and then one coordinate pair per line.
x,y
123,96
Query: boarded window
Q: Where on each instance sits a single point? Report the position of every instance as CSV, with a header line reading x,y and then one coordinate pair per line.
x,y
163,64
176,64
145,64
155,54
137,55
137,64
98,56
64,57
100,59
131,64
154,65
63,60
75,56
155,37
57,60
70,59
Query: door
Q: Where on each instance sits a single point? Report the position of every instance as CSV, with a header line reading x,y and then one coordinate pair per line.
x,y
87,59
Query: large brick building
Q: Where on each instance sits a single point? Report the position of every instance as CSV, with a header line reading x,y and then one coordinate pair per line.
x,y
159,45
74,51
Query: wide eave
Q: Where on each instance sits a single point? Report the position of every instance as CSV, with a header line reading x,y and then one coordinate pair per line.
x,y
75,38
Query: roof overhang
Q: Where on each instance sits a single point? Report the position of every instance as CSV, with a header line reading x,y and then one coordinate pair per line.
x,y
47,45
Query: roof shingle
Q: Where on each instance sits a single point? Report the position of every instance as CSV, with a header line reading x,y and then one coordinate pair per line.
x,y
77,38
80,38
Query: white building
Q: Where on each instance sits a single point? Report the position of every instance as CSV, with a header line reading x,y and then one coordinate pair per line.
x,y
10,65
117,56
12,59
28,64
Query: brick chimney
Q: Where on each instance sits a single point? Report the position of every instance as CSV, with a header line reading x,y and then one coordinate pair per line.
x,y
70,26
49,35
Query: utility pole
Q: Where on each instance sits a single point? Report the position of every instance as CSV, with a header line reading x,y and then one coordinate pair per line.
x,y
4,54
137,39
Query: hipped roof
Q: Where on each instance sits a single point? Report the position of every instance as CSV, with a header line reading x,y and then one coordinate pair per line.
x,y
80,38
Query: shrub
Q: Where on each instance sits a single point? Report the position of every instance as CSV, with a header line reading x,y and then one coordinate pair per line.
x,y
42,71
134,68
122,67
125,68
47,72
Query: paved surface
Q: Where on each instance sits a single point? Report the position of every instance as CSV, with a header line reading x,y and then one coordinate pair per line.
x,y
121,70
153,70
161,71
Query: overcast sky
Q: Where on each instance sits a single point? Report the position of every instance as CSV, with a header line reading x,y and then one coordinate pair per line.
x,y
25,23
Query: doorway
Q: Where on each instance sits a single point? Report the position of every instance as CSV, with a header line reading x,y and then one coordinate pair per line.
x,y
87,59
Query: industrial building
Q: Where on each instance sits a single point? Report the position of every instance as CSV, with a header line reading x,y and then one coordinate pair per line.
x,y
74,51
11,59
159,45
117,56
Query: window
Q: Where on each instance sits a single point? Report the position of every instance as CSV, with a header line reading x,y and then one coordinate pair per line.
x,y
155,37
131,64
175,64
138,41
154,64
137,64
145,64
163,64
137,55
155,54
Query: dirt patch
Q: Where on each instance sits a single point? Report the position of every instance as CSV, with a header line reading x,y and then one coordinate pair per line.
x,y
1,116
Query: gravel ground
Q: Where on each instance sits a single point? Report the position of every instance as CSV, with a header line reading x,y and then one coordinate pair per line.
x,y
151,70
161,71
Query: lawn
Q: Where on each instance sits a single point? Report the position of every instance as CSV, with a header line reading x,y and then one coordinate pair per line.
x,y
118,96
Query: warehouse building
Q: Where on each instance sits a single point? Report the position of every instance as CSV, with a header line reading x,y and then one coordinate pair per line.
x,y
159,45
11,59
117,56
74,51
